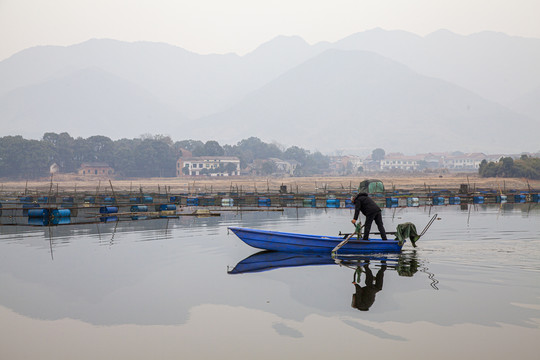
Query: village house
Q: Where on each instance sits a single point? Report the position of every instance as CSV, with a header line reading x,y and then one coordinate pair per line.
x,y
400,162
348,164
470,161
284,167
208,165
95,169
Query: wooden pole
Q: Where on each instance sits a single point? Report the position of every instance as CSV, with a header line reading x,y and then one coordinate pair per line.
x,y
112,189
50,188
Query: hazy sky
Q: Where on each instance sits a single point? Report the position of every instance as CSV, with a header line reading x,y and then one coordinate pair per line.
x,y
221,26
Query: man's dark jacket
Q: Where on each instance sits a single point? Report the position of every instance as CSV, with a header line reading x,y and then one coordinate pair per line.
x,y
363,203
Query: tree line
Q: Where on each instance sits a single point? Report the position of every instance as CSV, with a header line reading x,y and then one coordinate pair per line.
x,y
525,167
146,156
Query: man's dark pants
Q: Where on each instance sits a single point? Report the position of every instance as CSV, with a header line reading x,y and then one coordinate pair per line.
x,y
378,220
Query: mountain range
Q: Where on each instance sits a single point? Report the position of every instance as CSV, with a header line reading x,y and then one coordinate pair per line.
x,y
389,89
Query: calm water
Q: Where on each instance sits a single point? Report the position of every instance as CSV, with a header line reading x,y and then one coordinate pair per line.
x,y
161,289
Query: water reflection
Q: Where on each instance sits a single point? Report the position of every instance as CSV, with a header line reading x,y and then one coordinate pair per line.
x,y
364,296
153,271
405,264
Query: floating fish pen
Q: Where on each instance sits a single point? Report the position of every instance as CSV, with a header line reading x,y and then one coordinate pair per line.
x,y
51,208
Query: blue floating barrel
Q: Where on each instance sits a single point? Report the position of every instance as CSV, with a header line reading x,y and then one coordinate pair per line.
x,y
535,198
68,200
108,209
147,200
392,202
264,201
478,199
192,201
139,217
167,207
413,201
38,213
310,201
43,199
38,221
139,208
89,200
135,200
332,203
227,202
207,201
30,205
60,220
26,199
60,213
27,206
349,204
109,200
108,218
501,198
520,198
438,200
174,199
454,200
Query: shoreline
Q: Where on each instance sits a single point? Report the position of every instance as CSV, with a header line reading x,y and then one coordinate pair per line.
x,y
64,183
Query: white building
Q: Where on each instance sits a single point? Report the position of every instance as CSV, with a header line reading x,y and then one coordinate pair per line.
x,y
208,165
466,161
284,166
400,162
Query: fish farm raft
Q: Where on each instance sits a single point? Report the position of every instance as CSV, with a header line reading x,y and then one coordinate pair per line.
x,y
32,208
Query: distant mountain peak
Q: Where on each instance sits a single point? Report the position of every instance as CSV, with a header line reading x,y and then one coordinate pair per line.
x,y
390,81
281,42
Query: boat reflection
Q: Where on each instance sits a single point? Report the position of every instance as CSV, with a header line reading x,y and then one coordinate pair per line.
x,y
404,264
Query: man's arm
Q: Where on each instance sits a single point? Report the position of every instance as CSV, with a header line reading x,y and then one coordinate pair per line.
x,y
356,214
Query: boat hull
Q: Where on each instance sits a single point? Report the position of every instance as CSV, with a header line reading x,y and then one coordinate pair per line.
x,y
291,242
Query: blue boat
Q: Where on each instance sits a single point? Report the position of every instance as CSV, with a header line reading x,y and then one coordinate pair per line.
x,y
292,242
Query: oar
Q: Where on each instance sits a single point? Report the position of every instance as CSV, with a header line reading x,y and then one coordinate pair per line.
x,y
338,246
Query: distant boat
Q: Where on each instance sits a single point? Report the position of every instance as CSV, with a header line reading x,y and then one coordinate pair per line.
x,y
292,242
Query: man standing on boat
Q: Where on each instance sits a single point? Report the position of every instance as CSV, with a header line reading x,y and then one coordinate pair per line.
x,y
363,203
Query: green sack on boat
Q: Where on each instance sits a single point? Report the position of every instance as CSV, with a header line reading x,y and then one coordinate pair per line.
x,y
358,229
407,230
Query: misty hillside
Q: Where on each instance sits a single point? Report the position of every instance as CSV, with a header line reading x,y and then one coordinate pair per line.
x,y
186,81
84,103
529,104
496,66
434,85
358,101
193,84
